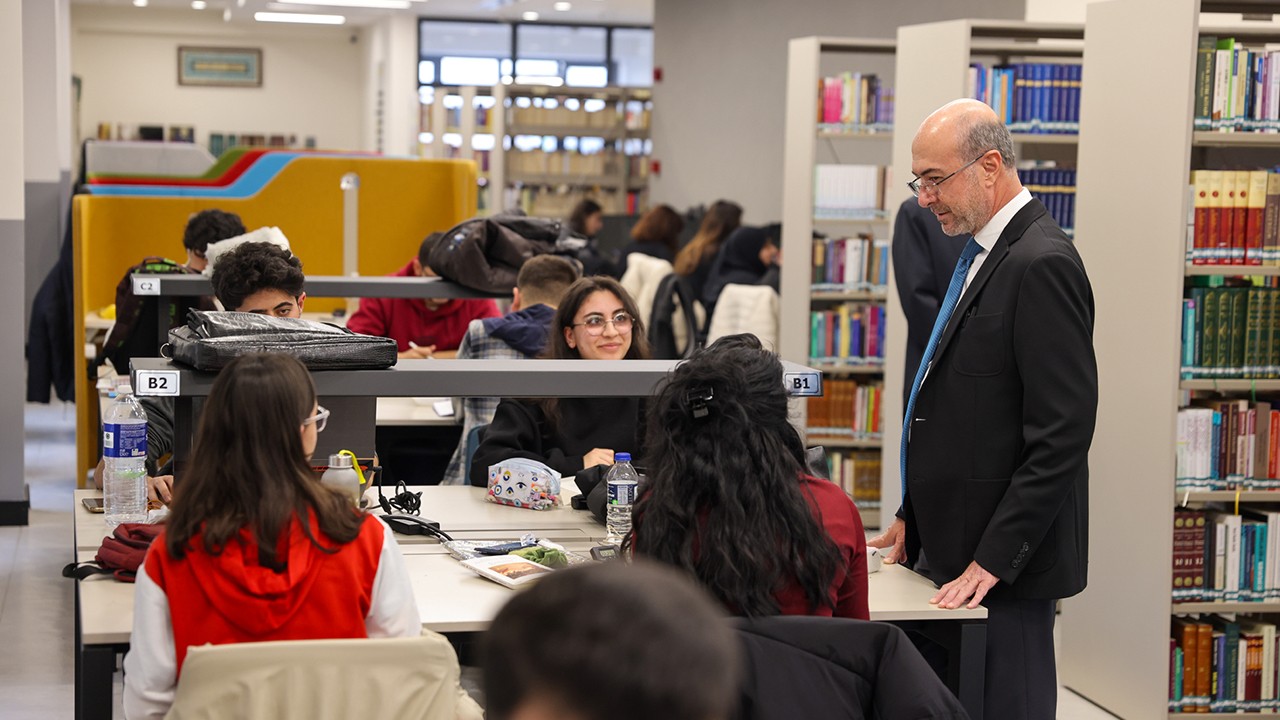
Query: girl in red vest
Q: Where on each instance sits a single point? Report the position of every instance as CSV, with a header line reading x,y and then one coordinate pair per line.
x,y
256,548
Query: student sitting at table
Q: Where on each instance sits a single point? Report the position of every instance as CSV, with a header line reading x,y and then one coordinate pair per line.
x,y
729,501
255,548
520,334
421,327
255,278
596,320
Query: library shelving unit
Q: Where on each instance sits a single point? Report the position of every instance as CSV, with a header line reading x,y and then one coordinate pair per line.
x,y
932,70
807,144
543,148
1137,149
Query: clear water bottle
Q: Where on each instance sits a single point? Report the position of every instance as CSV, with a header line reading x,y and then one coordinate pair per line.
x,y
341,475
124,458
621,482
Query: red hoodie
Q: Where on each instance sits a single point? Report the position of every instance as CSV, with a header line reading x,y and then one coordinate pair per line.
x,y
408,319
229,597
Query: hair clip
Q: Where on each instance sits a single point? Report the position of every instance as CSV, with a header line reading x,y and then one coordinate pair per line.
x,y
698,398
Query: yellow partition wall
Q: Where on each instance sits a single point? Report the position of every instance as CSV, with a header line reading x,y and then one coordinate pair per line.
x,y
400,202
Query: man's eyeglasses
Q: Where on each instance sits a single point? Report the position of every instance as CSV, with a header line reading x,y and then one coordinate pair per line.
x,y
920,185
321,418
595,323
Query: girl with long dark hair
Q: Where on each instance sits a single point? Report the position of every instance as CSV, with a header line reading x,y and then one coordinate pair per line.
x,y
596,320
255,547
694,260
728,499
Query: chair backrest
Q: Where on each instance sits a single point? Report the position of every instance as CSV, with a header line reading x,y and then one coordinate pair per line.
x,y
674,323
385,678
746,309
796,666
474,436
644,273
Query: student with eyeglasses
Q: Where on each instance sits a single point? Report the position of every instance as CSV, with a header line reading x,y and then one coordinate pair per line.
x,y
596,320
255,547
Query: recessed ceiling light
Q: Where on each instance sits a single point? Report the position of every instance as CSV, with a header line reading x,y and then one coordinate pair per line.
x,y
139,3
299,18
383,4
199,4
563,6
530,16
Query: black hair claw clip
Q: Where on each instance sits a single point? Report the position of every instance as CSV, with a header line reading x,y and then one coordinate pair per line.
x,y
698,399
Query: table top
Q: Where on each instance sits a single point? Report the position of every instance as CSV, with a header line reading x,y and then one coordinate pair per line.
x,y
450,597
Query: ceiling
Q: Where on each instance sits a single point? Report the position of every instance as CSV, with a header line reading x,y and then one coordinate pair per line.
x,y
594,12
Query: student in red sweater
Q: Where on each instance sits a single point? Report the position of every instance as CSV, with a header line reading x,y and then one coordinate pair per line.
x,y
256,548
422,328
728,499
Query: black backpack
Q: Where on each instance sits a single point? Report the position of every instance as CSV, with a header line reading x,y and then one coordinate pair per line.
x,y
136,330
486,253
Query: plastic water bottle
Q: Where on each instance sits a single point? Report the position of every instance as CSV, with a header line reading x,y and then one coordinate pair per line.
x,y
341,475
621,482
124,458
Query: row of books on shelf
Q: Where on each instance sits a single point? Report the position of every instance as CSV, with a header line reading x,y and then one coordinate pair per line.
x,y
1223,664
850,334
563,162
860,263
1231,332
553,202
1237,89
857,472
852,101
1056,188
849,191
1221,556
1030,97
847,409
1228,445
1236,217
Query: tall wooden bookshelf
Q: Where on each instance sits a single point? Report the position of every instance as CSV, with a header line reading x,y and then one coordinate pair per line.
x,y
1137,148
805,145
932,70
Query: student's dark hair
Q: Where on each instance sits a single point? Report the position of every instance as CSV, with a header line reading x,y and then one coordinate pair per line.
x,y
577,294
721,219
545,278
248,468
254,267
723,499
424,250
582,211
209,226
661,225
639,641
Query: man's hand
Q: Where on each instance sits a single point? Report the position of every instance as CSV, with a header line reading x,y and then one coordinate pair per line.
x,y
895,538
597,456
160,489
417,352
972,585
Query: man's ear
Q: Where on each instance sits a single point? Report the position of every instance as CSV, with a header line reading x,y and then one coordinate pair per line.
x,y
515,299
301,299
417,267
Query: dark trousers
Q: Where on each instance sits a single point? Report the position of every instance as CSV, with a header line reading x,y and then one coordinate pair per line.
x,y
1022,672
1022,676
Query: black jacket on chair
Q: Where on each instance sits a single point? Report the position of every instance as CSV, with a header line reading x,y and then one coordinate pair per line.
x,y
997,466
812,667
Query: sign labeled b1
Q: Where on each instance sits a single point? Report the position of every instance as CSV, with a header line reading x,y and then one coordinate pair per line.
x,y
803,384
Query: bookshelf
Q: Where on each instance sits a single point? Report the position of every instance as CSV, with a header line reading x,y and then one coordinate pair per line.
x,y
509,127
808,143
1115,635
931,69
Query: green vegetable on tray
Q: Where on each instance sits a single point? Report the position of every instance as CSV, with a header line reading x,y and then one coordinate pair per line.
x,y
543,556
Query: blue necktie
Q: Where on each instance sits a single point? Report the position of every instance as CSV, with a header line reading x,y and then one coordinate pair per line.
x,y
954,290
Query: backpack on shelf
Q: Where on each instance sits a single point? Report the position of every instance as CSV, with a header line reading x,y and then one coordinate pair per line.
x,y
137,316
486,253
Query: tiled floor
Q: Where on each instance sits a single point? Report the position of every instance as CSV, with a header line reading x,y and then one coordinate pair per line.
x,y
36,665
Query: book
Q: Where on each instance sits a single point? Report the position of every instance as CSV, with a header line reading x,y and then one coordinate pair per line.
x,y
509,570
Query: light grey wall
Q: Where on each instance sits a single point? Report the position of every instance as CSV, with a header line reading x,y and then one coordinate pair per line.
x,y
718,112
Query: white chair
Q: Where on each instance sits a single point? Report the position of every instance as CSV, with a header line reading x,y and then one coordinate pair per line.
x,y
388,679
643,276
746,309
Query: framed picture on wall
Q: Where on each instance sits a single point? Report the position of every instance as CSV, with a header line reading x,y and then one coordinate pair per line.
x,y
223,67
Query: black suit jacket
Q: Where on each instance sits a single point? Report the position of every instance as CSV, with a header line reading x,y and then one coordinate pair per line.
x,y
924,258
997,466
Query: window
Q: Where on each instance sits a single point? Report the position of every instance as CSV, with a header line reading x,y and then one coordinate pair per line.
x,y
463,53
633,57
